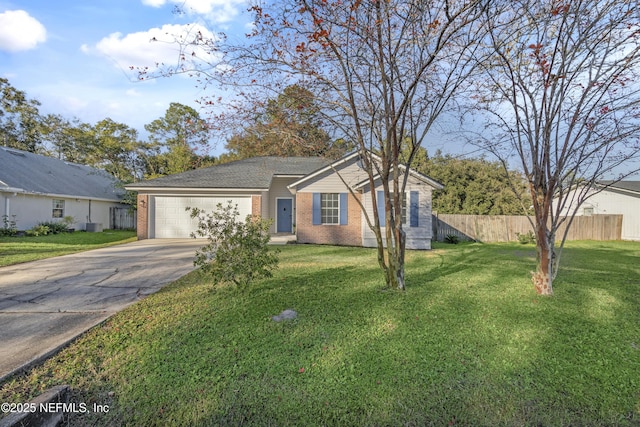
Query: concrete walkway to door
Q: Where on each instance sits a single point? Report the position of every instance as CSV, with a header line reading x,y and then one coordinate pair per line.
x,y
48,303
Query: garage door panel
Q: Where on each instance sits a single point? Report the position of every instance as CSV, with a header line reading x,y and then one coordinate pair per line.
x,y
172,220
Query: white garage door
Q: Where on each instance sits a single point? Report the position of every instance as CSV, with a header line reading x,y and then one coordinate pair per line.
x,y
171,219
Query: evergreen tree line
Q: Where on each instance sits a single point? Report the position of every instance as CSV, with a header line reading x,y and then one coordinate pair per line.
x,y
171,147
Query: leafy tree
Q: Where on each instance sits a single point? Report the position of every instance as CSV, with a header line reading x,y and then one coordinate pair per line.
x,y
560,92
71,140
108,145
289,125
55,135
380,72
19,119
79,143
237,251
475,186
176,160
113,148
174,139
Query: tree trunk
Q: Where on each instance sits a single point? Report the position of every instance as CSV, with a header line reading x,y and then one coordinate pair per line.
x,y
395,238
400,250
395,257
395,277
542,278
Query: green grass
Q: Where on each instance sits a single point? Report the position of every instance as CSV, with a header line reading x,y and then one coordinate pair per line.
x,y
469,343
15,250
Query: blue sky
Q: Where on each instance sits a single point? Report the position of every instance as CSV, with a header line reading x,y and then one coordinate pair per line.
x,y
74,56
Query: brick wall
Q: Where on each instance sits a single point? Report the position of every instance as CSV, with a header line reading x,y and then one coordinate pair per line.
x,y
256,206
348,235
143,216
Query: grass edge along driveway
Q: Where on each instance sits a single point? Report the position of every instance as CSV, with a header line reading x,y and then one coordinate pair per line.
x,y
16,250
469,343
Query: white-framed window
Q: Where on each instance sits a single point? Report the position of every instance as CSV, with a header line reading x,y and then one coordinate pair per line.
x,y
587,211
404,206
330,208
58,208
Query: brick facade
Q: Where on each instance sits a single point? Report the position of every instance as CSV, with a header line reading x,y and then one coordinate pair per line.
x,y
347,235
143,216
256,206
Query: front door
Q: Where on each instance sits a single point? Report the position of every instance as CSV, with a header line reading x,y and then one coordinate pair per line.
x,y
284,214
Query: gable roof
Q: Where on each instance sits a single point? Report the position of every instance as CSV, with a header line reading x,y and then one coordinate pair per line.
x,y
30,173
254,173
629,188
354,156
419,176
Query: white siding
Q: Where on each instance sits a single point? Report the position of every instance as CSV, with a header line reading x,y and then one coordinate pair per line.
x,y
330,182
264,207
29,210
613,203
417,237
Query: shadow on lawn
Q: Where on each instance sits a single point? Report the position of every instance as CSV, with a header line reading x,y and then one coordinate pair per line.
x,y
539,358
469,343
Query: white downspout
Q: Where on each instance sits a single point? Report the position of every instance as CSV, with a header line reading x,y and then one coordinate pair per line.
x,y
9,192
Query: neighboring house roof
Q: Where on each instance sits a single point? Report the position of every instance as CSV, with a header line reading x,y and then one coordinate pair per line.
x,y
30,173
630,188
255,173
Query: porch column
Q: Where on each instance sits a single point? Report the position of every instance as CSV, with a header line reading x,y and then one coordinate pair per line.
x,y
143,216
256,206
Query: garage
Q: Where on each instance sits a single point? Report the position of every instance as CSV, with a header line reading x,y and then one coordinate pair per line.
x,y
171,220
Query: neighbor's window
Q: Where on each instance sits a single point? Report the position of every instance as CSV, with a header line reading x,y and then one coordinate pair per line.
x,y
330,208
404,206
587,211
58,208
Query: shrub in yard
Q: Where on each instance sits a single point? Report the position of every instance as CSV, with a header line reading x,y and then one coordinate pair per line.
x,y
452,238
56,227
9,226
237,251
68,221
526,238
38,230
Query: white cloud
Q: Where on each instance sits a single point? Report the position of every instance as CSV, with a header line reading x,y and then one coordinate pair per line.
x,y
20,31
153,3
218,11
153,47
133,93
73,103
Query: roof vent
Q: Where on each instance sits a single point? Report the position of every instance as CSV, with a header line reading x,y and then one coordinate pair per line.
x,y
15,153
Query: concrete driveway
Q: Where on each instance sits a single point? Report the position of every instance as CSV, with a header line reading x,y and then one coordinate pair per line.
x,y
46,304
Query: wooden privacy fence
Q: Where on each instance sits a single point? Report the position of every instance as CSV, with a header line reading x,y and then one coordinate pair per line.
x,y
122,219
505,228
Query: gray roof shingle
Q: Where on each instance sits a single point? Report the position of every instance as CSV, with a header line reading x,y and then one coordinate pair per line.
x,y
633,186
252,173
36,174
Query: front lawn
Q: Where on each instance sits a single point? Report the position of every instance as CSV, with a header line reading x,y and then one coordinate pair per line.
x,y
15,250
469,343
